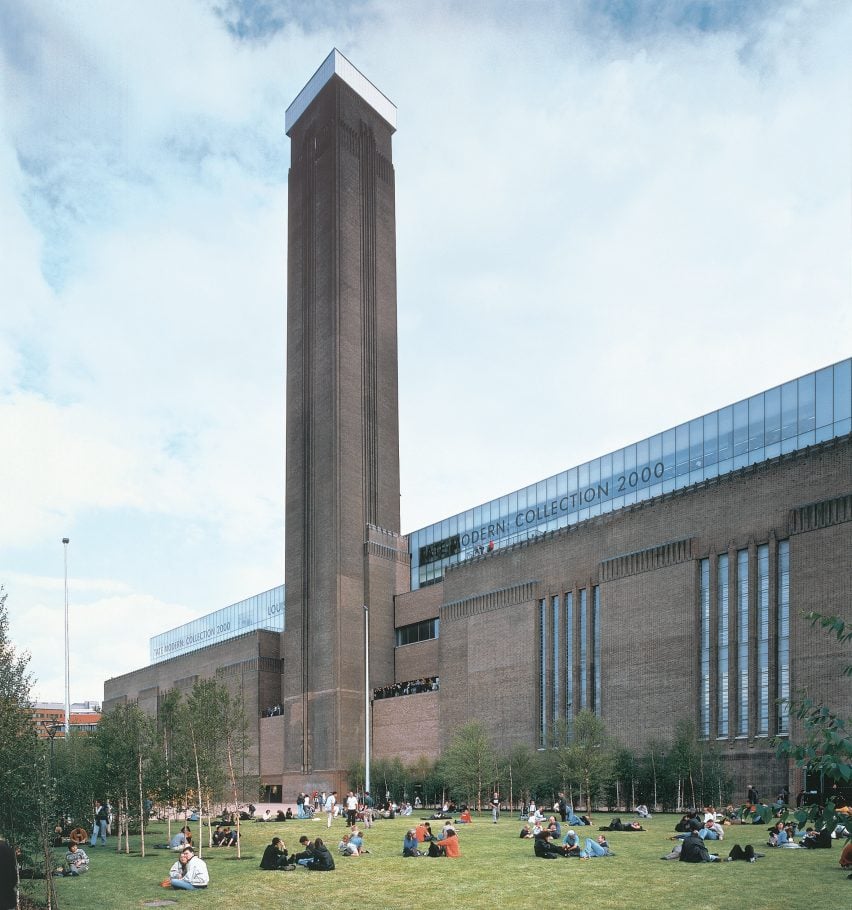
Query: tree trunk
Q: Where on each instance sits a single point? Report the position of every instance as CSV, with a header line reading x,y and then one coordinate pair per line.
x,y
141,807
228,746
198,782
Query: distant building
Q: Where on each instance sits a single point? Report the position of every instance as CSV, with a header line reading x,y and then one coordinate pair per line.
x,y
661,582
50,717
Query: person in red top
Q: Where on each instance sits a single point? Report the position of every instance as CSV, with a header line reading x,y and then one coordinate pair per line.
x,y
448,842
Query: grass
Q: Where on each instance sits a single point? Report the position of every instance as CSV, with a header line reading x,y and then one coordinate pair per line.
x,y
497,868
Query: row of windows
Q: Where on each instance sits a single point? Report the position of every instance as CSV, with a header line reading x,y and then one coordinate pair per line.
x,y
791,416
749,648
417,631
559,642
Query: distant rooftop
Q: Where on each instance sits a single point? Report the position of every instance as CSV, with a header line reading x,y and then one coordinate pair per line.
x,y
335,64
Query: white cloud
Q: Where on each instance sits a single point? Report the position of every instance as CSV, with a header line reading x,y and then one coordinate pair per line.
x,y
605,227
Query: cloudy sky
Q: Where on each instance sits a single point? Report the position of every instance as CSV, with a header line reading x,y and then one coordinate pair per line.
x,y
612,216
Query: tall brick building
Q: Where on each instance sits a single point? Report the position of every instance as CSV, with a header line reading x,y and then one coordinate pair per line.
x,y
660,582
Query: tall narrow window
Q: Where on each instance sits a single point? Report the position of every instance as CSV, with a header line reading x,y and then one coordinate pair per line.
x,y
723,639
704,600
584,683
784,637
596,649
542,673
555,678
569,657
763,640
742,642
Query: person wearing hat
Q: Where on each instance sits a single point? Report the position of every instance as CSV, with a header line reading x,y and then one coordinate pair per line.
x,y
189,872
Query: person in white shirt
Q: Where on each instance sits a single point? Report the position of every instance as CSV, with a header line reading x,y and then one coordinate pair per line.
x,y
330,803
189,872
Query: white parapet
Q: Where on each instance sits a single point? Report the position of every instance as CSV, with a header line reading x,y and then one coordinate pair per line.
x,y
335,64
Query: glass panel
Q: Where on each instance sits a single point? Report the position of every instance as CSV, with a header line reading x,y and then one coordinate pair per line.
x,y
824,398
772,415
711,440
843,391
807,404
742,642
740,428
726,433
762,654
755,423
569,656
784,637
696,444
682,449
723,645
789,409
704,694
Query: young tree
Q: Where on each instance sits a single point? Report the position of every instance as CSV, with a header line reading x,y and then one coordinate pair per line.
x,y
234,731
27,794
826,744
592,755
18,743
203,719
125,738
170,764
683,762
469,762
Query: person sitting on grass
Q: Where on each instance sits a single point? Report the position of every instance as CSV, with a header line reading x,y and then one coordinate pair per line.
x,y
275,855
693,850
781,836
448,843
544,848
526,832
189,873
76,861
571,843
346,847
464,818
182,839
322,860
315,856
356,838
410,844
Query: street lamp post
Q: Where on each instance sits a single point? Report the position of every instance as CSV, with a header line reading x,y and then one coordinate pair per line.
x,y
65,542
51,728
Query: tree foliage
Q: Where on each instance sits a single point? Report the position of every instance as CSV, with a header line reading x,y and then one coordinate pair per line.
x,y
826,745
19,747
469,763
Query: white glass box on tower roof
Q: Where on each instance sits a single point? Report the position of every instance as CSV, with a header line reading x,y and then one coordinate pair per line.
x,y
335,64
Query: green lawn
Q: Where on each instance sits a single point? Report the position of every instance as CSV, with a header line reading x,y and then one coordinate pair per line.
x,y
496,869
